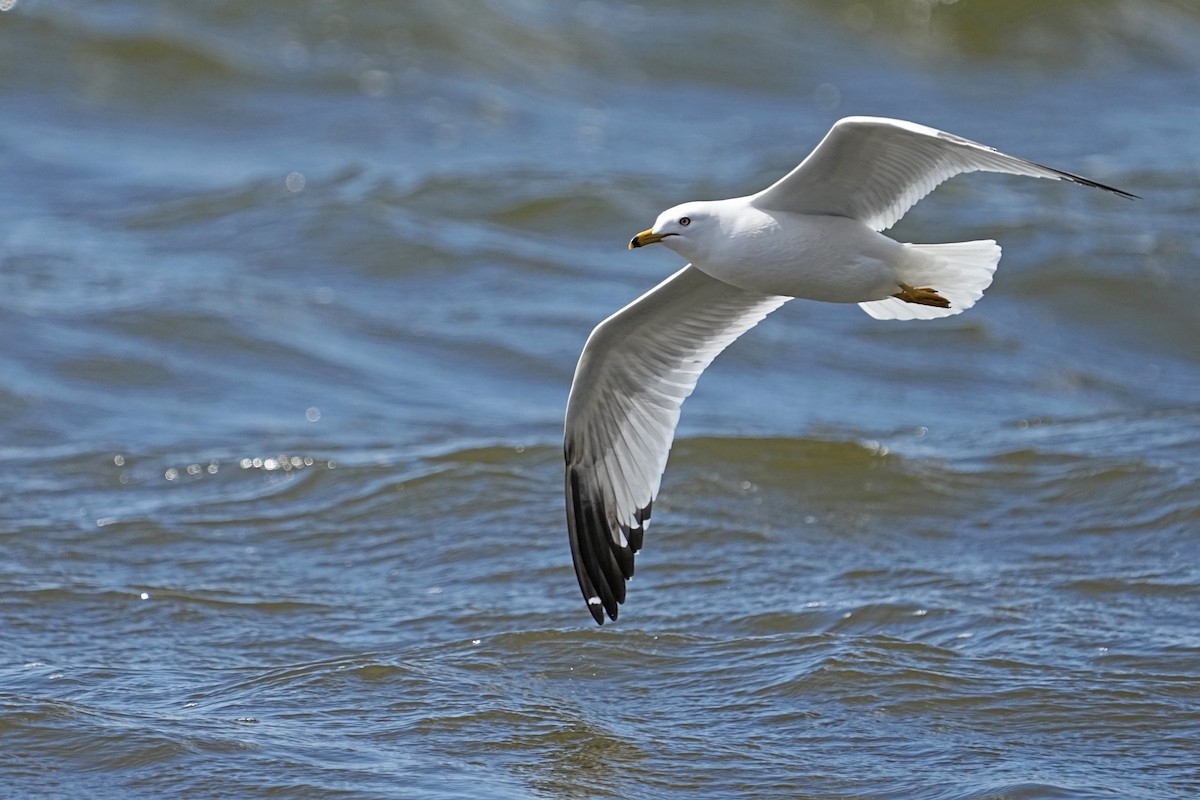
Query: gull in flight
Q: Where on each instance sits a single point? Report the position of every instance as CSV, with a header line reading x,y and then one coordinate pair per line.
x,y
814,234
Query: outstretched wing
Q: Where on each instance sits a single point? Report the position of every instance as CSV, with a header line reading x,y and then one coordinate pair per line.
x,y
875,169
636,369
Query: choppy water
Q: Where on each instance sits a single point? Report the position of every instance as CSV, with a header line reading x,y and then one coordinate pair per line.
x,y
290,298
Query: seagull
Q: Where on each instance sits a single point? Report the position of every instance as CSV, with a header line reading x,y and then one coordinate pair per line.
x,y
814,234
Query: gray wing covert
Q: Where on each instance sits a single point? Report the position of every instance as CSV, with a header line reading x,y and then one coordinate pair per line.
x,y
875,169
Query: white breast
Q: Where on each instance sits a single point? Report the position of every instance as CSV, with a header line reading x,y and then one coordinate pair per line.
x,y
834,259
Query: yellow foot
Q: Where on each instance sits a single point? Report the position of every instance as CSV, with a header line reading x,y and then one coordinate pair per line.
x,y
924,296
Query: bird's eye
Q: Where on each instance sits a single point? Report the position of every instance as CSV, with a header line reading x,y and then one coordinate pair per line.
x,y
685,221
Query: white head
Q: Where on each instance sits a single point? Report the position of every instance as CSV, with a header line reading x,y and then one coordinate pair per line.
x,y
687,229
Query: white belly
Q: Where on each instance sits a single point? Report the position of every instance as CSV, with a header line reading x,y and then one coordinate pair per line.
x,y
833,259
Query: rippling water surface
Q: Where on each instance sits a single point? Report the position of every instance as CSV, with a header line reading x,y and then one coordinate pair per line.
x,y
291,295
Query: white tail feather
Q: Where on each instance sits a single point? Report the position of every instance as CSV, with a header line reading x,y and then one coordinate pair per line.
x,y
959,272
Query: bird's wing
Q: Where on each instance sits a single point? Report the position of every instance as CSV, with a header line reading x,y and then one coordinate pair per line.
x,y
636,369
875,169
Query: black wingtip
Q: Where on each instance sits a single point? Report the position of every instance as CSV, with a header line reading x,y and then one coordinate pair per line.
x,y
597,611
1082,181
597,567
1113,189
600,609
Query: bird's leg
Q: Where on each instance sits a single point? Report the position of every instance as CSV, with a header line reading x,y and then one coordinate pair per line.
x,y
923,296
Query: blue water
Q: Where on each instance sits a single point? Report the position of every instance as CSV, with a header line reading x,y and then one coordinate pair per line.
x,y
291,297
